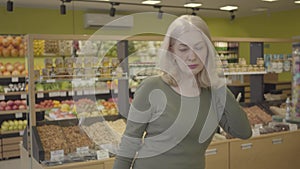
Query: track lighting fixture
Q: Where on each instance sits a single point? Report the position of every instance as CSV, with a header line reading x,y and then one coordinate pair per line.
x,y
232,15
160,12
9,6
112,11
195,6
63,10
194,13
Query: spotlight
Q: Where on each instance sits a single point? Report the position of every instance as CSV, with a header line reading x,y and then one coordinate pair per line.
x,y
160,12
112,11
63,10
232,15
9,6
194,13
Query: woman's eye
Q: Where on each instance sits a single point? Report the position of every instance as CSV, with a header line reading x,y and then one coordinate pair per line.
x,y
183,49
198,48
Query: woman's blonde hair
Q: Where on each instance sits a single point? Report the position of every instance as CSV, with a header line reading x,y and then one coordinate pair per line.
x,y
208,76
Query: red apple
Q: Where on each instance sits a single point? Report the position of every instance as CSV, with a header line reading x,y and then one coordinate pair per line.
x,y
8,107
3,103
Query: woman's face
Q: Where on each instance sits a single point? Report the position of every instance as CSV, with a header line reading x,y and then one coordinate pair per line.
x,y
190,51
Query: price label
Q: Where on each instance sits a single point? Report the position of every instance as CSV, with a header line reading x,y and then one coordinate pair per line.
x,y
115,90
71,93
293,127
40,95
63,94
21,133
255,132
52,94
102,91
258,126
86,92
2,97
14,79
23,96
57,155
50,80
79,92
82,150
102,154
133,89
19,115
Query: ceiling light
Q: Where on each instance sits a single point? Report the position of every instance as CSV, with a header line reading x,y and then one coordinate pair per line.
x,y
229,8
151,2
297,1
192,4
10,6
269,0
262,9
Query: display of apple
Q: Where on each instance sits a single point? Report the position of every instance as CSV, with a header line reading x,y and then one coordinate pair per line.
x,y
13,105
13,125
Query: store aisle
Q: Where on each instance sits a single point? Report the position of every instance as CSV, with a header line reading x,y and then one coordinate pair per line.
x,y
10,164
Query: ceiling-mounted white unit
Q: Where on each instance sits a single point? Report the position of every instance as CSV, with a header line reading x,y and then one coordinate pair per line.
x,y
95,20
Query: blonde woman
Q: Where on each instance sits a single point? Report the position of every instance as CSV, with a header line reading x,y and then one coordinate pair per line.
x,y
174,116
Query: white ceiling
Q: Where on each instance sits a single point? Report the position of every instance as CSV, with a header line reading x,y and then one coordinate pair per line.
x,y
246,7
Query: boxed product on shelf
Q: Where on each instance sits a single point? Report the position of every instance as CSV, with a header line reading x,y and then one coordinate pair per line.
x,y
50,137
72,140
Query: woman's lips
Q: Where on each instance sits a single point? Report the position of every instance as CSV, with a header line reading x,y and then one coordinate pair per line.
x,y
193,66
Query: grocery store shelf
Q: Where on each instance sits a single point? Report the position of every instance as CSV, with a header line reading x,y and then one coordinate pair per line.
x,y
64,93
244,73
13,111
7,77
14,93
12,132
53,79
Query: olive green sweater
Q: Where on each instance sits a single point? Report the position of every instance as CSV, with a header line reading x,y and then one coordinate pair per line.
x,y
172,139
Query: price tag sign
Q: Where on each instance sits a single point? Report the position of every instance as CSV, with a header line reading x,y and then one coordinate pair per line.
x,y
23,96
19,115
293,127
133,89
71,93
115,90
102,154
86,92
52,94
21,133
79,92
258,126
14,79
63,94
2,97
255,132
50,80
92,92
103,91
82,150
40,95
56,155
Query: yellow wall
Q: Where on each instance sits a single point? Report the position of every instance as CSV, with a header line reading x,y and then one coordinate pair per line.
x,y
49,21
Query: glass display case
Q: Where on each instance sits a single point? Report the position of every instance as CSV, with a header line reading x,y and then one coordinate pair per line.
x,y
74,107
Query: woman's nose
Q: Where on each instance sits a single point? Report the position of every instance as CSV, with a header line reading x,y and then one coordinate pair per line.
x,y
192,55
